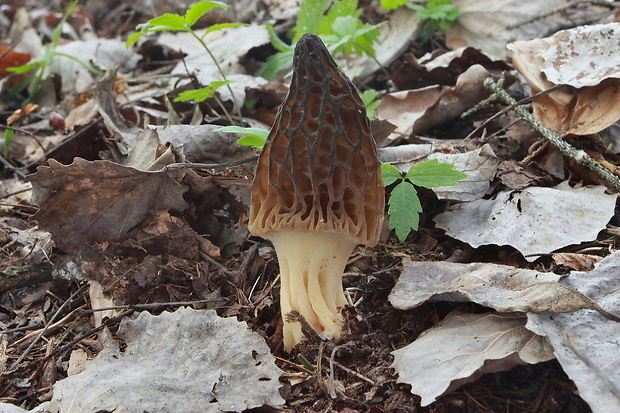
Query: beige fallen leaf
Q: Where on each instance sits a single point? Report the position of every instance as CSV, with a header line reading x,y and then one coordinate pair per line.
x,y
485,24
534,220
192,358
584,58
585,343
500,287
463,347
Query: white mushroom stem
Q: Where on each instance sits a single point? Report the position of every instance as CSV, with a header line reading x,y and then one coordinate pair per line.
x,y
311,268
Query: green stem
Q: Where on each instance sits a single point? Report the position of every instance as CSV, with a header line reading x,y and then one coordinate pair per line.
x,y
219,68
83,64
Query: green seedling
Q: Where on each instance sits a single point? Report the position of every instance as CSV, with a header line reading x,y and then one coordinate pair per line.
x,y
369,97
404,206
254,137
185,23
37,66
338,25
436,14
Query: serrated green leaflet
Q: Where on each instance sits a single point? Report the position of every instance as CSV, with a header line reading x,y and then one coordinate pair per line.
x,y
404,209
390,174
255,137
199,95
432,174
197,10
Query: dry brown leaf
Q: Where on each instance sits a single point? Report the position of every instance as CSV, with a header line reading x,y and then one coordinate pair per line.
x,y
578,262
93,201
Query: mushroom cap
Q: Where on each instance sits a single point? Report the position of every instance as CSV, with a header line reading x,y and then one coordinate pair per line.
x,y
319,169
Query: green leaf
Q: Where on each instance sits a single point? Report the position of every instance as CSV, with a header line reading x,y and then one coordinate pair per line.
x,y
221,26
368,97
392,4
133,39
390,174
167,21
342,8
309,17
197,10
255,137
199,95
276,63
404,210
432,174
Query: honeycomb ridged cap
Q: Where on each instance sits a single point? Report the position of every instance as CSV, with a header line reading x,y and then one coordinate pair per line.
x,y
319,169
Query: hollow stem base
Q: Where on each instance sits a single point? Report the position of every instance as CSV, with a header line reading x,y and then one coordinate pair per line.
x,y
311,267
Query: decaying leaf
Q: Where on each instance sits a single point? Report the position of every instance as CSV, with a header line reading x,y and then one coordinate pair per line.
x,y
585,343
500,287
92,201
454,100
479,165
484,24
463,347
405,107
189,358
584,58
534,220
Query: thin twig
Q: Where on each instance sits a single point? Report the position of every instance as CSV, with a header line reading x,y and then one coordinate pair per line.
x,y
49,323
190,165
577,155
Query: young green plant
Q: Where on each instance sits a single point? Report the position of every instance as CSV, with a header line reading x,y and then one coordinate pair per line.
x,y
37,66
338,25
185,23
436,14
404,204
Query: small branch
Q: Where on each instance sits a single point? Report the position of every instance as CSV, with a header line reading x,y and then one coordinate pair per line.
x,y
577,155
189,165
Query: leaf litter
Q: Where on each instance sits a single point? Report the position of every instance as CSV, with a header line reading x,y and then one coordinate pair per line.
x,y
185,241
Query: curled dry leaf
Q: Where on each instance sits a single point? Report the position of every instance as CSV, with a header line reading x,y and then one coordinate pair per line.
x,y
534,220
463,347
500,287
454,100
584,58
585,343
192,358
93,201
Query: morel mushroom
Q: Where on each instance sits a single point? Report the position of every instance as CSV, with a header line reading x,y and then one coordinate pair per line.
x,y
318,191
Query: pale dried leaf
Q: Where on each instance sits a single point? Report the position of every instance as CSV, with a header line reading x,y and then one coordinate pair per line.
x,y
484,24
500,287
534,220
583,56
589,109
585,343
479,165
463,347
31,245
102,53
93,201
193,358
